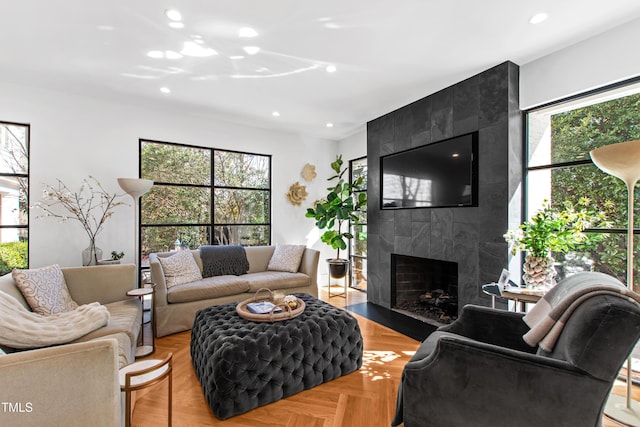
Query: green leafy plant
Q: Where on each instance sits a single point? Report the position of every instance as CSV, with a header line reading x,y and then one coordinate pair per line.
x,y
116,255
12,254
339,206
554,230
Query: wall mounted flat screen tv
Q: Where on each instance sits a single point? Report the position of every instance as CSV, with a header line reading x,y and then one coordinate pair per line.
x,y
440,174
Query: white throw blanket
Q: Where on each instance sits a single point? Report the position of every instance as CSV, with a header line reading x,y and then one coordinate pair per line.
x,y
21,328
548,317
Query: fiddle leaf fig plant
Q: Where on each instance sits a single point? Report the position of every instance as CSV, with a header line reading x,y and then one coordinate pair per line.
x,y
339,206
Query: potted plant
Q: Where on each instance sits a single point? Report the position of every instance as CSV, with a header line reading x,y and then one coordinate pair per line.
x,y
115,258
333,212
553,230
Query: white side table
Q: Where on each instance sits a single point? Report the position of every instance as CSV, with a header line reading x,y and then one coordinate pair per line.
x,y
143,374
145,350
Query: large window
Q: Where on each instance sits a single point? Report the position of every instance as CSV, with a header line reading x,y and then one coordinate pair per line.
x,y
560,137
203,196
14,196
358,245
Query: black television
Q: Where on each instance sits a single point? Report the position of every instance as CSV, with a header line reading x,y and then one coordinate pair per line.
x,y
440,174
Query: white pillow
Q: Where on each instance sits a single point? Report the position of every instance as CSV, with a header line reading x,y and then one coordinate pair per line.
x,y
44,289
286,258
180,268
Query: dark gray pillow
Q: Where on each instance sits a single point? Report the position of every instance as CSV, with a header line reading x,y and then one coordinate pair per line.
x,y
221,260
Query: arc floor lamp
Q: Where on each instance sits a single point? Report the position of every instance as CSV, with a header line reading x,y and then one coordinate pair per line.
x,y
622,160
136,187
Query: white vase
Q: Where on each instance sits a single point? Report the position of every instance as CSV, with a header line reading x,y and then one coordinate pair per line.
x,y
91,255
539,272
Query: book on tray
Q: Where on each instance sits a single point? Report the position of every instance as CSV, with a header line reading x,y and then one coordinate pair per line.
x,y
262,307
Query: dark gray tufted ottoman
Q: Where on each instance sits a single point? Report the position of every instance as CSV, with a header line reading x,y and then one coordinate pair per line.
x,y
243,364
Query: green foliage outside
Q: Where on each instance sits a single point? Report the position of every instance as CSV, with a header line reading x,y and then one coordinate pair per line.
x,y
13,254
574,134
241,200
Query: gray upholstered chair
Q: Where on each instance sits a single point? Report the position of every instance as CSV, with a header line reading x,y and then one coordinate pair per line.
x,y
478,371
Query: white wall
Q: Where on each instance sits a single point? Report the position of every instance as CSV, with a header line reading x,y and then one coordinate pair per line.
x,y
354,146
74,136
601,60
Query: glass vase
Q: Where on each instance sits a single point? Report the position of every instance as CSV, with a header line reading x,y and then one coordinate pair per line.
x,y
91,255
539,272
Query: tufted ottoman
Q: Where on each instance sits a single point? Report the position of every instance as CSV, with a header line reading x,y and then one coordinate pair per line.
x,y
243,364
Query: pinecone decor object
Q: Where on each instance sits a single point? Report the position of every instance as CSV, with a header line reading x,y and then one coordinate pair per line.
x,y
539,272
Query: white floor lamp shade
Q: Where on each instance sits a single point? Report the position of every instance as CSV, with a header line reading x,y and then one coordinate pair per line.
x,y
136,187
623,161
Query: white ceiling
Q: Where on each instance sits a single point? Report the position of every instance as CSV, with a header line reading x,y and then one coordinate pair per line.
x,y
387,53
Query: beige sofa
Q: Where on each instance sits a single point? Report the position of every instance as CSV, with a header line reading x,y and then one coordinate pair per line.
x,y
176,307
76,383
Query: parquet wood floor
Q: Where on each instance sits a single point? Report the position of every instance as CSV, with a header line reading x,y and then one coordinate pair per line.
x,y
363,398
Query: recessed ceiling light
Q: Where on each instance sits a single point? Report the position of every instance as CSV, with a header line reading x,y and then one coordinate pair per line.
x,y
331,68
455,155
538,18
275,114
236,57
157,54
247,32
329,125
165,89
194,49
173,14
176,24
251,50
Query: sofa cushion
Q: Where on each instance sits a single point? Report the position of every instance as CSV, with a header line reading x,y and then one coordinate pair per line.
x,y
180,268
211,287
286,258
276,280
44,289
126,316
126,352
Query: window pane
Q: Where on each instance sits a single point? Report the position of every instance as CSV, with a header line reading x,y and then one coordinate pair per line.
x,y
609,255
13,201
176,164
245,235
165,239
359,169
241,206
359,273
241,170
568,132
13,249
13,148
175,205
573,183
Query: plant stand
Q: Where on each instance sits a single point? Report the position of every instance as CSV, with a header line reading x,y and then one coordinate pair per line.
x,y
343,264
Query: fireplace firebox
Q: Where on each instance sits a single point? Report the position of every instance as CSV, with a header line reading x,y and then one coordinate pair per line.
x,y
425,288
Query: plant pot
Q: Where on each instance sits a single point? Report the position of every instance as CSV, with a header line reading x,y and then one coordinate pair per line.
x,y
338,268
539,272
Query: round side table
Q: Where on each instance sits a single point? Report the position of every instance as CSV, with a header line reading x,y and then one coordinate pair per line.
x,y
145,350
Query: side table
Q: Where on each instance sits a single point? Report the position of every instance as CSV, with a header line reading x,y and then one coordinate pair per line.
x,y
145,350
142,374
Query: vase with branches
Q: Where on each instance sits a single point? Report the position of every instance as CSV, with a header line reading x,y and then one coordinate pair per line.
x,y
91,206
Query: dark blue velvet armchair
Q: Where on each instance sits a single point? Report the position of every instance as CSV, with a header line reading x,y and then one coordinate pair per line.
x,y
479,372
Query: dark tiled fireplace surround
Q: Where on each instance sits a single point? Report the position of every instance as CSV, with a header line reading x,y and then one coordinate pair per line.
x,y
469,236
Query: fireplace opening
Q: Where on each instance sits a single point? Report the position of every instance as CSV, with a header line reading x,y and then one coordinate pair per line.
x,y
425,288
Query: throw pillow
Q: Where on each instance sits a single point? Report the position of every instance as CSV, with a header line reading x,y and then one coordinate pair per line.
x,y
44,289
180,268
286,258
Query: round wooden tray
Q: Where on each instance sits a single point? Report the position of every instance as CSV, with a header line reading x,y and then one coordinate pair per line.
x,y
285,314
